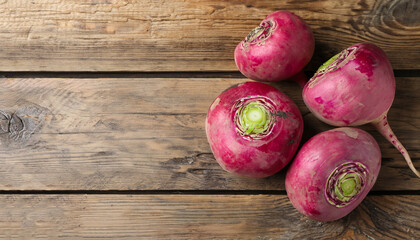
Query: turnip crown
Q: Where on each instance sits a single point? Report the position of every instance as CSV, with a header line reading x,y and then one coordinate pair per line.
x,y
253,117
337,61
260,33
345,183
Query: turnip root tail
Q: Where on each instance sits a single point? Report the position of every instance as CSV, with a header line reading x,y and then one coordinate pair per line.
x,y
300,78
383,127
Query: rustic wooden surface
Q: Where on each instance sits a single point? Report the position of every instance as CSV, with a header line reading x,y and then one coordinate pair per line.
x,y
192,35
139,133
198,217
102,108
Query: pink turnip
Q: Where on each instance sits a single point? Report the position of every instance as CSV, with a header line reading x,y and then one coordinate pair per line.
x,y
277,49
253,129
355,87
333,172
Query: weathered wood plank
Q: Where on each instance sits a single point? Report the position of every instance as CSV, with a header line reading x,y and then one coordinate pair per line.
x,y
148,134
192,35
198,217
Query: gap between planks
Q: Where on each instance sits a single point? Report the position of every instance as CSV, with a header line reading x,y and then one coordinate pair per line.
x,y
183,192
113,74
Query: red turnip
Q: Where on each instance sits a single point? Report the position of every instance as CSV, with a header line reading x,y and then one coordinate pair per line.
x,y
253,129
277,49
355,87
333,172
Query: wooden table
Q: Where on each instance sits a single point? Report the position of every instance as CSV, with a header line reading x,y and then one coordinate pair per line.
x,y
102,120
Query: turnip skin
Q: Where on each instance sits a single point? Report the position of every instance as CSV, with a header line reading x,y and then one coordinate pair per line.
x,y
279,48
249,154
359,91
341,148
355,87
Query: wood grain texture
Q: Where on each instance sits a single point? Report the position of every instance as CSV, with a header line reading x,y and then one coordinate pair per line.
x,y
192,35
198,217
148,134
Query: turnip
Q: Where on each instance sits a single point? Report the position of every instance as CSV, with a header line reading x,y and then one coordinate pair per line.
x,y
277,49
355,87
253,129
333,172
